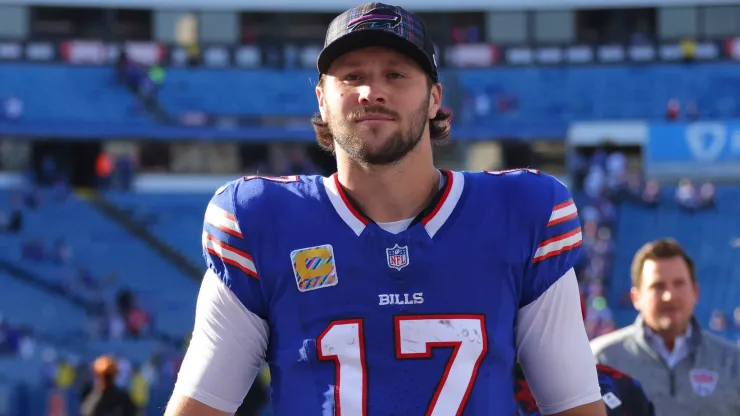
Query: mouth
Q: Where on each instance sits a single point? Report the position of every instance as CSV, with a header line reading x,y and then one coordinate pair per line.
x,y
374,118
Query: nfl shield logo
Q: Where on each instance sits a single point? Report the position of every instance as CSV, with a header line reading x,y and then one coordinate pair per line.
x,y
398,257
703,381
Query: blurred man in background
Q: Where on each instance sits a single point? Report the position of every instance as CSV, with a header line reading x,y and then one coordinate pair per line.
x,y
107,399
685,371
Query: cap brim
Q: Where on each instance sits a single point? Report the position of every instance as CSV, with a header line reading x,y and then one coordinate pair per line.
x,y
367,38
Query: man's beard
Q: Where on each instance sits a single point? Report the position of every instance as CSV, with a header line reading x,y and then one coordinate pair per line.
x,y
395,148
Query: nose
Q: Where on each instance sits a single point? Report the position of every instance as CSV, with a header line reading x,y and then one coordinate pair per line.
x,y
666,297
371,93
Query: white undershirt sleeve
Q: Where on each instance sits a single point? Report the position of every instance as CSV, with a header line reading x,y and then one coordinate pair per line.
x,y
226,351
553,349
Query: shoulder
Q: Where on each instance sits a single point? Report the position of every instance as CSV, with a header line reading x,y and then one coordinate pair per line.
x,y
528,191
523,181
613,341
248,195
720,346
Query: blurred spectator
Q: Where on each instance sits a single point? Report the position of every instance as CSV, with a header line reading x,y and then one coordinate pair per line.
x,y
12,108
49,171
106,398
137,322
116,326
718,321
27,344
193,51
139,391
124,172
125,371
14,221
62,251
103,170
706,195
595,181
121,65
56,403
65,374
673,110
736,317
686,196
651,193
688,50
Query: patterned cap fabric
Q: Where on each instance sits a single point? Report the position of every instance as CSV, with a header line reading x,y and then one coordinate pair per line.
x,y
378,24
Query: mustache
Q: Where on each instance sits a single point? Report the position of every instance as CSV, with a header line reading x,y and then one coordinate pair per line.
x,y
372,109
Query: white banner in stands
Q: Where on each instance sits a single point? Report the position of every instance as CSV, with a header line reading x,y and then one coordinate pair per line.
x,y
338,5
595,133
92,52
184,183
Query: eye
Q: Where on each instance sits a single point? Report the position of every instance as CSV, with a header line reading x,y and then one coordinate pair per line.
x,y
395,75
352,77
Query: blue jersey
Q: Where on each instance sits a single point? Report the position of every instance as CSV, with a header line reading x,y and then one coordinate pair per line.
x,y
366,322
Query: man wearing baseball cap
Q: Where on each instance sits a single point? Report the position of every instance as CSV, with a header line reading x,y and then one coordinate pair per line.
x,y
107,399
392,287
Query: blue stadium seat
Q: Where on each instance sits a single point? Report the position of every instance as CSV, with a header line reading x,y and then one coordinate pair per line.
x,y
54,93
103,247
545,94
176,219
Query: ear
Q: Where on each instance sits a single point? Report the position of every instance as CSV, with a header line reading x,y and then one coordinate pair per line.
x,y
635,298
321,98
435,101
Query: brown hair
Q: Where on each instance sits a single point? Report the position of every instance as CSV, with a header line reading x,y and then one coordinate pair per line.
x,y
439,126
665,248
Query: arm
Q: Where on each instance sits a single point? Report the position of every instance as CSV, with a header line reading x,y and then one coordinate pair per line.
x,y
552,345
553,350
224,356
230,334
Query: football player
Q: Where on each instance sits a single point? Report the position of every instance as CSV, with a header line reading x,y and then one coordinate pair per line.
x,y
391,287
622,394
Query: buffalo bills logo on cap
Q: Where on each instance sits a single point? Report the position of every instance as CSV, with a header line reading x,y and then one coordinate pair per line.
x,y
377,18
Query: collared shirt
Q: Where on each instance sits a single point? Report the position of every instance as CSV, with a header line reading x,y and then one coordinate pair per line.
x,y
681,347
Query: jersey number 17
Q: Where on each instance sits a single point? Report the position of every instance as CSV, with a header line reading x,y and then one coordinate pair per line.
x,y
344,343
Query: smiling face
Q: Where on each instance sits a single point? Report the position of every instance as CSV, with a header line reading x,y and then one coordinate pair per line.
x,y
377,103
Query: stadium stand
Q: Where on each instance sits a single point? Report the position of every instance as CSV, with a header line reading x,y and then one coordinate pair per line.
x,y
179,217
707,235
91,95
81,94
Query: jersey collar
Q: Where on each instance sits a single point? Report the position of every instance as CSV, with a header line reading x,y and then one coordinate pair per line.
x,y
432,218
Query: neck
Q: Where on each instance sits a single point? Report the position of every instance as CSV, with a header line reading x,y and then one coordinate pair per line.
x,y
669,341
669,336
394,192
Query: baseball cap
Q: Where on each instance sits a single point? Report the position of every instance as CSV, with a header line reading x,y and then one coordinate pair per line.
x,y
379,24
